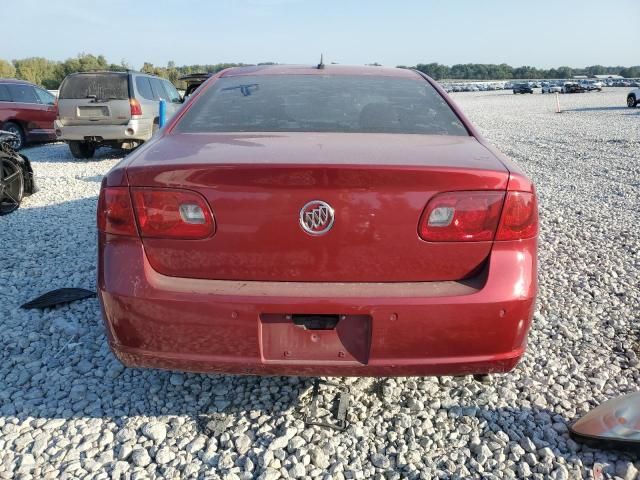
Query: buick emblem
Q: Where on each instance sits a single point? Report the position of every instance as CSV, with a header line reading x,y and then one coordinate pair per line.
x,y
316,217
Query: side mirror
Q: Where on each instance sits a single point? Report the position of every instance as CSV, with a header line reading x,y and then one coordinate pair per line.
x,y
614,424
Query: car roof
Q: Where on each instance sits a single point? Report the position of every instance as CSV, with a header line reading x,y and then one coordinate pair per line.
x,y
15,80
196,76
112,72
325,70
115,72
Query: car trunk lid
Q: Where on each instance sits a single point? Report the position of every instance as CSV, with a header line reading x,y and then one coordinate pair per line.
x,y
377,184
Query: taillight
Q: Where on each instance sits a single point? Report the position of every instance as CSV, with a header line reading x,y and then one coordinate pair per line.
x,y
115,213
172,213
136,108
461,217
519,217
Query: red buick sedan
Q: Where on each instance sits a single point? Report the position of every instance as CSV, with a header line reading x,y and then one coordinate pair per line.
x,y
328,220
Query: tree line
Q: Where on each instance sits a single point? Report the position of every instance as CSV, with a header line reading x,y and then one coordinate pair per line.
x,y
50,74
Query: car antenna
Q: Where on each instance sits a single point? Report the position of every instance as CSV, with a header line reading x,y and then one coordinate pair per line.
x,y
321,64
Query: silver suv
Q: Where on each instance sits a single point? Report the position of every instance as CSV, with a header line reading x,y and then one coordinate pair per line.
x,y
117,109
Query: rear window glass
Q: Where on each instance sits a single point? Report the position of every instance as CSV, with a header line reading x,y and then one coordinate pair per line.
x,y
99,85
321,103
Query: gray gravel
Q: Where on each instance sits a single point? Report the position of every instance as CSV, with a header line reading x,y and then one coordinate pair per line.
x,y
68,409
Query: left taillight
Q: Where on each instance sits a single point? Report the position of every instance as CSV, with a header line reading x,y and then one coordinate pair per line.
x,y
172,213
115,212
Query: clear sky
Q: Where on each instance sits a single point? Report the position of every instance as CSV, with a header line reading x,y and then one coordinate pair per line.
x,y
544,33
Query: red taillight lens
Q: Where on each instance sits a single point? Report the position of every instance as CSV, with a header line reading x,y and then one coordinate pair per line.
x,y
115,213
169,213
461,217
519,217
136,108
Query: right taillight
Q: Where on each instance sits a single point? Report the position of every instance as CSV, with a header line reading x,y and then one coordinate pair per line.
x,y
136,108
467,216
479,216
519,218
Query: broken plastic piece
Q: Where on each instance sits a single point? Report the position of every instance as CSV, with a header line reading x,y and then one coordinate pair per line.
x,y
340,415
58,297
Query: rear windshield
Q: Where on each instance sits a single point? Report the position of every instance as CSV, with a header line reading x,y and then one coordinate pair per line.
x,y
102,86
315,103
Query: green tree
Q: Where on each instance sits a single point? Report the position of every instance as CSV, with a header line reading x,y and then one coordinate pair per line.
x,y
434,70
7,70
84,62
596,70
631,72
36,70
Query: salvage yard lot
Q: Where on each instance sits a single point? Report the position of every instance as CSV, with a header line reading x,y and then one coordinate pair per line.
x,y
68,408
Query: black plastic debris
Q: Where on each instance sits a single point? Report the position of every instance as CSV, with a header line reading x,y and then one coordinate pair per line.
x,y
336,415
58,297
16,176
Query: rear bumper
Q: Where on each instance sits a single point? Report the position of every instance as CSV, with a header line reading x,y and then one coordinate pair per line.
x,y
137,129
423,328
40,135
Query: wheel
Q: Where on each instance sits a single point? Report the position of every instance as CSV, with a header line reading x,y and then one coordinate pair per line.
x,y
82,149
631,101
155,128
11,184
18,141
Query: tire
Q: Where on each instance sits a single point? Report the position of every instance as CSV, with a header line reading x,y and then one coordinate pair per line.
x,y
82,150
11,183
631,101
19,141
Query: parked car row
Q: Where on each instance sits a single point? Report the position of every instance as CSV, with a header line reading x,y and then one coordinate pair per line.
x,y
473,87
622,83
587,84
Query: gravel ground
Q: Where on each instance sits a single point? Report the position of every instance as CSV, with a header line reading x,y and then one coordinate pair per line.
x,y
68,409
